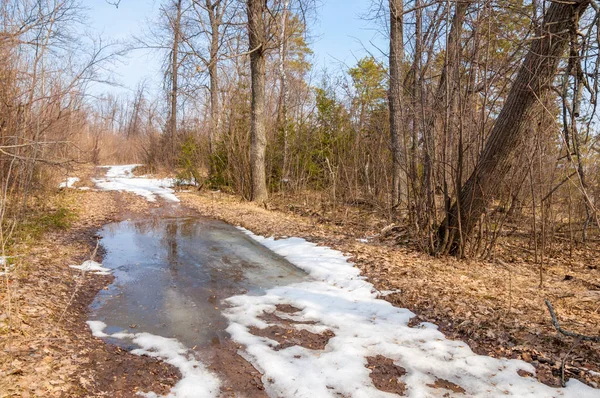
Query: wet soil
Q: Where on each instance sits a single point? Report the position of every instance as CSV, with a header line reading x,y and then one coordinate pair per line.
x,y
386,375
288,337
238,376
447,385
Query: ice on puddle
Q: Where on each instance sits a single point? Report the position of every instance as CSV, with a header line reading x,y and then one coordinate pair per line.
x,y
196,380
340,300
68,183
93,267
121,178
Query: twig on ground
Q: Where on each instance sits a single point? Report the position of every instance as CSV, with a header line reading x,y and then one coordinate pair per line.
x,y
579,336
578,339
564,361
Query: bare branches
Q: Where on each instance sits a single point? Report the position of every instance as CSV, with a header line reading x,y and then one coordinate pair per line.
x,y
115,3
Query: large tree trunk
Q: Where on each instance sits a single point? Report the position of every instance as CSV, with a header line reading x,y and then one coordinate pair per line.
x,y
174,82
283,89
215,18
534,76
395,102
258,142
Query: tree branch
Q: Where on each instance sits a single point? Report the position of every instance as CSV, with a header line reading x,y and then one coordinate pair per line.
x,y
595,339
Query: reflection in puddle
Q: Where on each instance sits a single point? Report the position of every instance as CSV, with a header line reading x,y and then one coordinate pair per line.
x,y
171,275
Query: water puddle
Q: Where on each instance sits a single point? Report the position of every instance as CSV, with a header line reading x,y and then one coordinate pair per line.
x,y
172,273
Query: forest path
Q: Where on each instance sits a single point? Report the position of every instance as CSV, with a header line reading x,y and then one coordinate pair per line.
x,y
329,336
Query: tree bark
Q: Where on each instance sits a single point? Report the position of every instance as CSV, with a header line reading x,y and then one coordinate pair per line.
x,y
258,141
215,18
395,102
283,94
174,80
444,99
534,77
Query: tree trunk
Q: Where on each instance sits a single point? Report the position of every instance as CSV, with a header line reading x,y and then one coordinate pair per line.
x,y
534,77
174,81
395,102
283,94
440,115
214,16
258,140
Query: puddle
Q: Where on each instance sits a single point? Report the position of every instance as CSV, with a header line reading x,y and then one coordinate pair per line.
x,y
171,275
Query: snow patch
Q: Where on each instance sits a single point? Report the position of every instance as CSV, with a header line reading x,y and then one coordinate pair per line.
x,y
97,328
68,183
121,178
341,300
384,293
92,266
196,381
5,265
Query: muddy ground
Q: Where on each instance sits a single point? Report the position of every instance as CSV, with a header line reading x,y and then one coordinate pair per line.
x,y
48,350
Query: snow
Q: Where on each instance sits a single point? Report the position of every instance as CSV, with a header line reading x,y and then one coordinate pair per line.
x,y
340,300
97,328
384,293
5,265
196,380
93,267
121,178
68,183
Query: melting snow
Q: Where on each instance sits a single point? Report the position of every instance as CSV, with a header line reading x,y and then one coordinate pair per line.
x,y
121,178
342,301
5,265
68,183
92,266
196,380
384,293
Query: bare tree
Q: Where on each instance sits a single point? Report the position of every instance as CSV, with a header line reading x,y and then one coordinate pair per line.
x,y
214,18
256,10
174,74
534,77
396,102
283,87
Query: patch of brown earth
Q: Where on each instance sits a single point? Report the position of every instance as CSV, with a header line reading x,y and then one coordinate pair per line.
x,y
238,376
273,318
524,373
291,337
289,309
287,335
447,385
385,374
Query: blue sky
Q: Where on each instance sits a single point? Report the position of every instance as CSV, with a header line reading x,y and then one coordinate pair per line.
x,y
339,35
